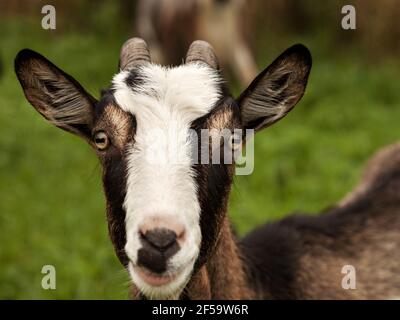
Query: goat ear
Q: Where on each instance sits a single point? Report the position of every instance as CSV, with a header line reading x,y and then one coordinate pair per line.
x,y
54,94
276,90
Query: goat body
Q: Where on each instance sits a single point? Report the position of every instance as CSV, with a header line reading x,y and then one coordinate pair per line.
x,y
302,256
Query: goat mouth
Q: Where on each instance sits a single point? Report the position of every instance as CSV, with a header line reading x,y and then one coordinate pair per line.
x,y
153,279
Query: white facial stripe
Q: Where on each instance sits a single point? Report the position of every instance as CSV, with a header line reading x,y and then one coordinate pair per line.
x,y
165,103
191,90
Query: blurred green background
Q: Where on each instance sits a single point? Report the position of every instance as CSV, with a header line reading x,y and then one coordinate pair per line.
x,y
52,210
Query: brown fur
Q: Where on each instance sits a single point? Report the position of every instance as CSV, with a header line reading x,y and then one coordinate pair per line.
x,y
199,287
363,233
56,96
115,120
226,269
386,159
371,251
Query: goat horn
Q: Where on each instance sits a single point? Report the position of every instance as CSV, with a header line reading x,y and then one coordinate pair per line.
x,y
134,52
202,51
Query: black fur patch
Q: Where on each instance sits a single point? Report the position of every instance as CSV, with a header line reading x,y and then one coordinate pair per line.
x,y
214,183
114,182
134,79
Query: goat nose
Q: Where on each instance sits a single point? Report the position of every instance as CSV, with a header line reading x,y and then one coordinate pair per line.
x,y
160,239
166,223
158,245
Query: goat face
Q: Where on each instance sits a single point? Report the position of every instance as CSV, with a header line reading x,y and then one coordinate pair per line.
x,y
164,210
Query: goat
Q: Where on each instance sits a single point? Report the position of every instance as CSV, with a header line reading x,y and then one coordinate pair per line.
x,y
169,223
384,161
169,26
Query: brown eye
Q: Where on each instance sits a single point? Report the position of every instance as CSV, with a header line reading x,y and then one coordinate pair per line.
x,y
101,140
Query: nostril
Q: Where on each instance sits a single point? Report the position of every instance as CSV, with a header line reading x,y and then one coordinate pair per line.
x,y
181,235
159,238
158,245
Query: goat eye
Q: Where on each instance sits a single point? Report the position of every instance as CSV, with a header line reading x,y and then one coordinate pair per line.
x,y
101,140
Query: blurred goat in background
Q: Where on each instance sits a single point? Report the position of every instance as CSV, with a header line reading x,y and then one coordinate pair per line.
x,y
169,26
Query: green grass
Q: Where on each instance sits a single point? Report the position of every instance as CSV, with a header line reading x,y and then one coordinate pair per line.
x,y
51,201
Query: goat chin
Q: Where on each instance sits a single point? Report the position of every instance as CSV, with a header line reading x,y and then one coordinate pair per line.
x,y
169,291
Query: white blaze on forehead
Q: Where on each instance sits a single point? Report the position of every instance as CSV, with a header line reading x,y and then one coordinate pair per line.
x,y
191,90
165,101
